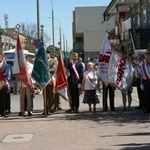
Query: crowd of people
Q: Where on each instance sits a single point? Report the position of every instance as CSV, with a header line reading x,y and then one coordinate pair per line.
x,y
81,76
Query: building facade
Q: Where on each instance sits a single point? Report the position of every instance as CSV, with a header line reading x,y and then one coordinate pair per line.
x,y
9,39
88,31
132,24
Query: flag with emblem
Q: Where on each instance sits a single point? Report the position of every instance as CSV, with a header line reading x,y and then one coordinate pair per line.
x,y
41,72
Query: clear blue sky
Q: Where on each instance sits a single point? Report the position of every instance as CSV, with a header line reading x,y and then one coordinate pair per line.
x,y
20,11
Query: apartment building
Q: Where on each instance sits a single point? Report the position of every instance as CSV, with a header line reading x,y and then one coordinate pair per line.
x,y
132,24
9,39
88,30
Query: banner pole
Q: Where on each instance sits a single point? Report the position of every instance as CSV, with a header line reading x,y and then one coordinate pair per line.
x,y
45,102
21,100
124,55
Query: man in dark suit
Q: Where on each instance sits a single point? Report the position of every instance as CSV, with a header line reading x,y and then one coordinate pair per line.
x,y
75,70
111,91
4,76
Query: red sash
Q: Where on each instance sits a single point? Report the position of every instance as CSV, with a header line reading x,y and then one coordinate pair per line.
x,y
75,72
90,80
146,71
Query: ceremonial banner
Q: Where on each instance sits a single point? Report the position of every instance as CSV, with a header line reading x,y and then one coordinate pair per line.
x,y
120,71
41,71
61,80
20,70
104,58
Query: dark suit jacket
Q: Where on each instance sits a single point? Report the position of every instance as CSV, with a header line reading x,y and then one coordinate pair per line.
x,y
72,79
6,71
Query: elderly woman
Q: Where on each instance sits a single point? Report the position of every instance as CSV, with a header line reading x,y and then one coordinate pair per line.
x,y
89,85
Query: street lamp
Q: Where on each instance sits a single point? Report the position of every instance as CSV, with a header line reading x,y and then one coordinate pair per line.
x,y
59,31
53,28
38,19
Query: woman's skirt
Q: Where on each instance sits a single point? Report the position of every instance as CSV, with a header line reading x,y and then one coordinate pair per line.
x,y
90,97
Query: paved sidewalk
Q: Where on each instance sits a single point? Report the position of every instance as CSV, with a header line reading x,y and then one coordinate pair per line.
x,y
129,130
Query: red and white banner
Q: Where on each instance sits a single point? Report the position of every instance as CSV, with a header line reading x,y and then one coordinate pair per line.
x,y
120,71
20,65
104,58
61,80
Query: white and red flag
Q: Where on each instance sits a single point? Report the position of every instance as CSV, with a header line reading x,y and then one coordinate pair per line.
x,y
103,62
120,71
61,85
20,70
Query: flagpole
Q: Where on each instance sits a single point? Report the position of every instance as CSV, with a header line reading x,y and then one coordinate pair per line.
x,y
45,102
44,90
124,55
21,100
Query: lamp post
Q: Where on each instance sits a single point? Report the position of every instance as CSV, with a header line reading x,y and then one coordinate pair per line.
x,y
66,44
60,42
53,27
38,20
64,41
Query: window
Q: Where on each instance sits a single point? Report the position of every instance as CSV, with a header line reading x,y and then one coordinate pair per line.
x,y
144,15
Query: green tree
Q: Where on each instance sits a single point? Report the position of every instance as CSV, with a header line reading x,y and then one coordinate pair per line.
x,y
50,48
30,31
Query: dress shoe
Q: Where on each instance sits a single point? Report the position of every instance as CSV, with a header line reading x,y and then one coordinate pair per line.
x,y
9,112
43,113
147,111
75,111
113,109
69,110
3,115
90,109
94,109
20,113
59,108
140,107
104,110
29,113
52,111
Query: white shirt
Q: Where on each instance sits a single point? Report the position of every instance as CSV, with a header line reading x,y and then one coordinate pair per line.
x,y
93,77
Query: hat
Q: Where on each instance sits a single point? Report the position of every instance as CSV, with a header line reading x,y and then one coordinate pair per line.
x,y
48,51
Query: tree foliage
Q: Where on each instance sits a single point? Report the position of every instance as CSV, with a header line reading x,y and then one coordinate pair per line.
x,y
50,48
30,31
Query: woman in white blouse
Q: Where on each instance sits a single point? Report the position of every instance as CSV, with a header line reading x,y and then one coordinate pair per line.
x,y
90,85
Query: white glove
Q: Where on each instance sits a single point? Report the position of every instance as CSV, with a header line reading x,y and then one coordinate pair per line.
x,y
142,87
79,86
